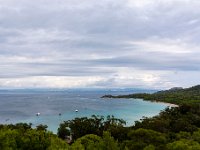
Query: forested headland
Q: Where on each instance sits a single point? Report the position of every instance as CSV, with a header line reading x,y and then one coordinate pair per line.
x,y
175,95
176,128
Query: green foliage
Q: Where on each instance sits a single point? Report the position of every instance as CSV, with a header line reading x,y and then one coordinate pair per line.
x,y
63,131
23,137
150,147
7,139
184,118
142,138
94,125
42,127
185,141
183,145
174,95
108,142
58,144
94,142
89,141
196,136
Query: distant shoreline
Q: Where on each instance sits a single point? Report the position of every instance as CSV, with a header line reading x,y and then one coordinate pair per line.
x,y
174,97
170,104
153,101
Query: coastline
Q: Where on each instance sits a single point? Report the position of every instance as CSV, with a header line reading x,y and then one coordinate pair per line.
x,y
169,104
160,102
154,101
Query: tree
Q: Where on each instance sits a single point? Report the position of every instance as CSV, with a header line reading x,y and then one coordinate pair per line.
x,y
141,138
93,125
183,145
42,127
94,142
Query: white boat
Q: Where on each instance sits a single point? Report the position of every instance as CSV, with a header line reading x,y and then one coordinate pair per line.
x,y
37,114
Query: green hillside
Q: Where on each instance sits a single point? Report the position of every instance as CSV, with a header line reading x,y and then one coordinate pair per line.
x,y
173,95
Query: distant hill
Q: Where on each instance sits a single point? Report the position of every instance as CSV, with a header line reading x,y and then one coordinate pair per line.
x,y
176,95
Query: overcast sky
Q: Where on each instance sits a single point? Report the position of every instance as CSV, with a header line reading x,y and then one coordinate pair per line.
x,y
99,43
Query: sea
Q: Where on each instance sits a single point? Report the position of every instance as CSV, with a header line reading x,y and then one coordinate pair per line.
x,y
57,105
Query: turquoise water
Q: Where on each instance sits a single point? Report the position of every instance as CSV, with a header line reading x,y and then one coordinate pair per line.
x,y
22,106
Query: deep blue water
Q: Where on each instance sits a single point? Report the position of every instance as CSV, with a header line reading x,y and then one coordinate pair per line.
x,y
22,105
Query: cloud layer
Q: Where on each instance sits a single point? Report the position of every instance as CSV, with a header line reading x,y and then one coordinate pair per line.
x,y
107,43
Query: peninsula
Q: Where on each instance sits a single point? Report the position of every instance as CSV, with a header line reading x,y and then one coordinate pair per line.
x,y
175,95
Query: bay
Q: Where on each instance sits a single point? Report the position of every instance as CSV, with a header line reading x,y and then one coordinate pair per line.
x,y
23,105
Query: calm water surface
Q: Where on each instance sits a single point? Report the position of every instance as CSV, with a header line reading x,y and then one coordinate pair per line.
x,y
22,106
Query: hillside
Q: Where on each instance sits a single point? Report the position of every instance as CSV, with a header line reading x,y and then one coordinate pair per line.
x,y
173,95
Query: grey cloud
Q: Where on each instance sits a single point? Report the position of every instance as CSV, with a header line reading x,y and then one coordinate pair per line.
x,y
152,63
90,38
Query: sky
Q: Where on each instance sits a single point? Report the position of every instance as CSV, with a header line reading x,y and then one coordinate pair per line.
x,y
99,44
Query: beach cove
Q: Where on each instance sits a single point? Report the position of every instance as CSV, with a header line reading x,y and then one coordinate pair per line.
x,y
56,106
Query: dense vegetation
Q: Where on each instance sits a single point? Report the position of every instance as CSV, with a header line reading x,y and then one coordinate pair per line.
x,y
176,128
174,95
22,137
